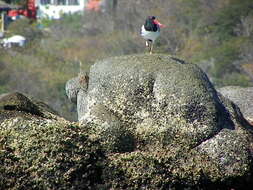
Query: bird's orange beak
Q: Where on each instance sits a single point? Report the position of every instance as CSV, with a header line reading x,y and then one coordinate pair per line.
x,y
158,23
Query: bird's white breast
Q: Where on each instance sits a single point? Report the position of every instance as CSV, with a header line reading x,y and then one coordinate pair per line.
x,y
149,35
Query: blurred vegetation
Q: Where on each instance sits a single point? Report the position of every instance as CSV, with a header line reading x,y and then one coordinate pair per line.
x,y
216,35
19,2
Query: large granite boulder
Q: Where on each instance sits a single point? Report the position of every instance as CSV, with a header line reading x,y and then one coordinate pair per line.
x,y
158,97
165,125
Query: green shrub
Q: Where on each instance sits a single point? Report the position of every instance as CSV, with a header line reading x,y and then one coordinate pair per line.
x,y
26,28
229,16
233,79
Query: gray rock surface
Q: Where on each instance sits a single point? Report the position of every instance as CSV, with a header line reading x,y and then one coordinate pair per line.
x,y
157,96
228,150
76,89
241,96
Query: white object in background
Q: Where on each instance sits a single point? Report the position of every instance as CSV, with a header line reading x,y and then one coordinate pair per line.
x,y
53,9
16,39
1,34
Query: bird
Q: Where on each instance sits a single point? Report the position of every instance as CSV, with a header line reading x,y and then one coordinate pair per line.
x,y
150,31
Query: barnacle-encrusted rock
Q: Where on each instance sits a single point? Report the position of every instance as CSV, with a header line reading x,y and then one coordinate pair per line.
x,y
167,124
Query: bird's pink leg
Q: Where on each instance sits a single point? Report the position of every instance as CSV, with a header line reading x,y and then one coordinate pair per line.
x,y
147,44
151,48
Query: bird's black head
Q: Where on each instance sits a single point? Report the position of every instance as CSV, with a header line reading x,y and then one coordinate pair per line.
x,y
150,25
151,17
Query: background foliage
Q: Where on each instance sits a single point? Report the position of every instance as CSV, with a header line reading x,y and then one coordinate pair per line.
x,y
217,35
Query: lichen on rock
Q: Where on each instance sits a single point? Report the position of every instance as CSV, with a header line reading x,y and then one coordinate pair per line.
x,y
41,152
157,97
169,107
146,122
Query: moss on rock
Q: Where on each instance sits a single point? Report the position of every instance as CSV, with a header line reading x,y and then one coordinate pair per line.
x,y
161,99
38,153
176,119
151,122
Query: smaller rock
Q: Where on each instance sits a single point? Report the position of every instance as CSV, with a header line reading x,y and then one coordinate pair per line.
x,y
18,102
230,150
243,97
76,90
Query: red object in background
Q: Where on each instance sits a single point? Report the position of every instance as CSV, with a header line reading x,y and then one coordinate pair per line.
x,y
31,9
94,5
13,13
29,12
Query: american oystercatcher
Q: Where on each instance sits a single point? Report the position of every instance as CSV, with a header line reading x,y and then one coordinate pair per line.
x,y
150,31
